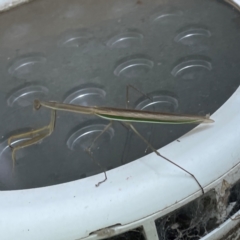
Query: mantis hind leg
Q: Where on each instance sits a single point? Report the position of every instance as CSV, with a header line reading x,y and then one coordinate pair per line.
x,y
129,125
88,150
33,136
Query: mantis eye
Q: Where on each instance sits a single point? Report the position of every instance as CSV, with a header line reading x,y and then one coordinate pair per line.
x,y
37,104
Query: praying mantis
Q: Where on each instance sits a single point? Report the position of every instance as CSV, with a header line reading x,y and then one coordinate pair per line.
x,y
124,116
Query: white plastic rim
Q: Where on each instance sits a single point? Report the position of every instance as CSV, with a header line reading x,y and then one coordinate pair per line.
x,y
134,194
7,4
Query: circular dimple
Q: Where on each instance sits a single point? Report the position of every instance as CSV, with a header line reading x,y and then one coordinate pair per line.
x,y
74,11
85,136
125,40
18,30
162,103
187,36
121,7
24,65
190,64
6,151
134,68
86,97
166,14
4,148
25,96
74,38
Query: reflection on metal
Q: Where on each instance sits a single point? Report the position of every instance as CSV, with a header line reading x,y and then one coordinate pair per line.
x,y
25,96
190,64
191,33
91,96
84,136
165,13
74,38
23,65
125,40
134,68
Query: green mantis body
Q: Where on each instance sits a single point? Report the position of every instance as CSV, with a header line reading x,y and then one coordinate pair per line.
x,y
125,116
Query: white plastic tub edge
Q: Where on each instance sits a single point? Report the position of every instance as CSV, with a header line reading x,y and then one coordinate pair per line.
x,y
7,4
66,211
